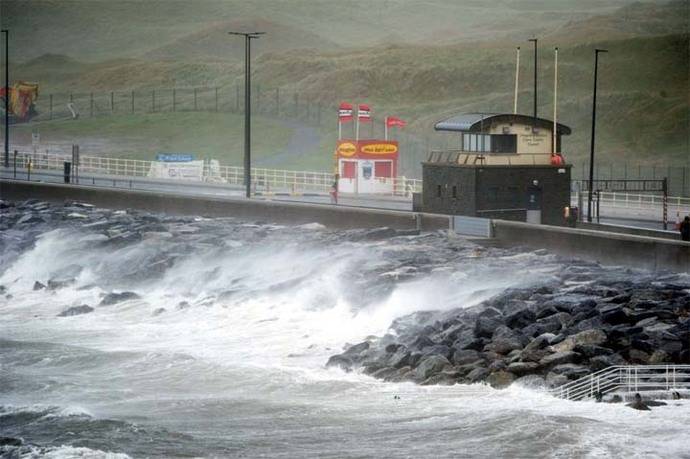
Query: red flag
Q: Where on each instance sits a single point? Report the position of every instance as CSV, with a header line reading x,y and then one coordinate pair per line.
x,y
345,112
364,113
394,121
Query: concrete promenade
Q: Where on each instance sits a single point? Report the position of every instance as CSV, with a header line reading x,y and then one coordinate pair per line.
x,y
606,247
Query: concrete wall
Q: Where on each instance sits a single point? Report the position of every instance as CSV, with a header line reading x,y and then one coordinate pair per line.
x,y
604,247
273,211
669,234
486,188
445,176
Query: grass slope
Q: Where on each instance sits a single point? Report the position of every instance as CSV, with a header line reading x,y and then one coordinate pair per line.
x,y
207,135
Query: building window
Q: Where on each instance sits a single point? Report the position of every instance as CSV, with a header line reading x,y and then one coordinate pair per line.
x,y
383,169
349,169
438,191
504,143
455,191
476,142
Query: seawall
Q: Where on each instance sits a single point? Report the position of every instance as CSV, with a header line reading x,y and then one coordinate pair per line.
x,y
177,204
602,246
605,247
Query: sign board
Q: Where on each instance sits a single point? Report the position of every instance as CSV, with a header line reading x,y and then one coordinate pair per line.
x,y
175,157
184,170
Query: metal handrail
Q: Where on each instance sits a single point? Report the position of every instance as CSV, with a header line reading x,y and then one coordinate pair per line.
x,y
630,378
264,179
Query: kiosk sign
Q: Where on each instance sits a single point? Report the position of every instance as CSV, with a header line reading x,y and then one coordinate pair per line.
x,y
175,157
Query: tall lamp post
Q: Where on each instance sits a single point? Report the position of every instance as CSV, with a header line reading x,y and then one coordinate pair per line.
x,y
7,97
534,40
247,106
594,118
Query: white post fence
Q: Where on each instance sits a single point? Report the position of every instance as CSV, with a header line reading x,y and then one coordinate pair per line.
x,y
264,180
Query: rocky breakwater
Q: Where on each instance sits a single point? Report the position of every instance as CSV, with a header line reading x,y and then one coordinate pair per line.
x,y
541,336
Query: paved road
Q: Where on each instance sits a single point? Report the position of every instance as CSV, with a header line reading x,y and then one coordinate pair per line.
x,y
207,189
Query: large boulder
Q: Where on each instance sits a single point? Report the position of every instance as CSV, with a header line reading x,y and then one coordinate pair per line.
x,y
604,361
560,358
477,375
400,359
340,361
614,314
485,327
76,310
520,318
430,365
570,370
114,298
593,337
500,379
465,356
523,368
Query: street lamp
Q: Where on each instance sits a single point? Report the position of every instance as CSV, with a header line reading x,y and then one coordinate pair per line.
x,y
7,97
534,40
247,106
591,151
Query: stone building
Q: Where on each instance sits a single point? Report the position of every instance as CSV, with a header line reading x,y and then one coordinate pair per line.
x,y
493,172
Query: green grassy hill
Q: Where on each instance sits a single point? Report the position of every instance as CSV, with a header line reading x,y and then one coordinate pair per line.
x,y
418,61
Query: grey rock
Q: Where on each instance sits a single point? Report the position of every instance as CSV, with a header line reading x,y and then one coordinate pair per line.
x,y
76,310
500,379
431,365
54,284
465,356
593,336
385,373
570,370
340,361
614,315
591,350
478,374
38,286
485,327
114,298
523,368
560,358
604,361
400,359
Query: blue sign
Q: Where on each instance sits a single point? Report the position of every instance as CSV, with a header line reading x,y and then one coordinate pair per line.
x,y
174,157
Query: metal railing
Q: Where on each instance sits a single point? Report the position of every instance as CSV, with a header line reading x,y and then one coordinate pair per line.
x,y
630,378
263,179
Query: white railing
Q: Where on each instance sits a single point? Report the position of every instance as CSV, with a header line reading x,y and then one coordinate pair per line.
x,y
264,180
639,201
640,378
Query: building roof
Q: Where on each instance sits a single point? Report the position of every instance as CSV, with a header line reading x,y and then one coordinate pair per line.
x,y
472,122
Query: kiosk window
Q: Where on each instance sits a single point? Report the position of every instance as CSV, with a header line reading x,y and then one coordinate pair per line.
x,y
504,143
349,169
383,169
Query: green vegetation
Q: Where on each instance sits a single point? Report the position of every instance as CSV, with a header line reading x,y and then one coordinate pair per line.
x,y
421,62
207,135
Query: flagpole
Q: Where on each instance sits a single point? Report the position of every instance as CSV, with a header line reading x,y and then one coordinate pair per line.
x,y
385,128
555,100
340,129
357,121
517,77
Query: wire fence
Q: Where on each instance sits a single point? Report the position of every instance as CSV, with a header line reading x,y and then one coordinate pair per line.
x,y
678,176
317,110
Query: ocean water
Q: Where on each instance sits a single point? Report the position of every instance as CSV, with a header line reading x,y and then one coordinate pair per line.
x,y
234,364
